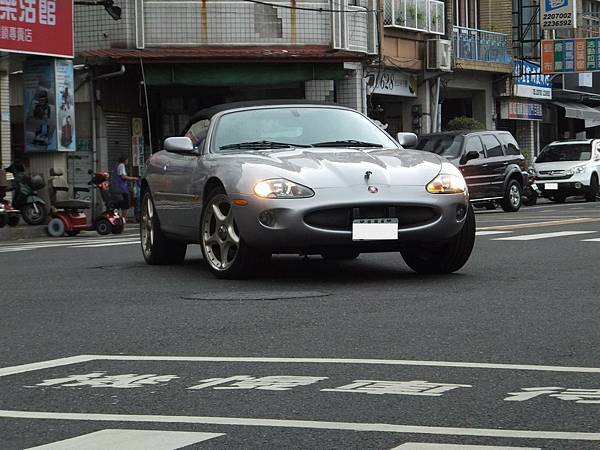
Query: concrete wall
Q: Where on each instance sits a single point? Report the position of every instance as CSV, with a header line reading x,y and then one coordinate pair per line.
x,y
480,89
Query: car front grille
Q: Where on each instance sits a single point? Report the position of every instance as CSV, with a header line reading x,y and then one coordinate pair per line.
x,y
341,218
553,175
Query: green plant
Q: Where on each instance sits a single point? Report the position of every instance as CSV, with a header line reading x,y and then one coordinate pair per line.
x,y
464,123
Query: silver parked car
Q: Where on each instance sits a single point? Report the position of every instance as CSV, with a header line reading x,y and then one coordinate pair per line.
x,y
250,180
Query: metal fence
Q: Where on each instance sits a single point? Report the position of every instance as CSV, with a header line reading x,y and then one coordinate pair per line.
x,y
480,45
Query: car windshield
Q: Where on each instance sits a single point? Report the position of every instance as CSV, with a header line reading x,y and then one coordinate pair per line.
x,y
448,146
297,126
565,152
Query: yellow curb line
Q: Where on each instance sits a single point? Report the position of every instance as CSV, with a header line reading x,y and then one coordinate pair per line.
x,y
540,224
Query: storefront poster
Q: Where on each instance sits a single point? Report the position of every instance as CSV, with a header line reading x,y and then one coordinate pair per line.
x,y
529,83
48,105
557,14
42,27
518,109
66,105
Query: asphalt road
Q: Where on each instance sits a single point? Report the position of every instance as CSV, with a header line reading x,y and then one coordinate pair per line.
x,y
310,354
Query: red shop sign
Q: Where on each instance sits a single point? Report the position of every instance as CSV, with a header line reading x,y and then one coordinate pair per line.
x,y
41,27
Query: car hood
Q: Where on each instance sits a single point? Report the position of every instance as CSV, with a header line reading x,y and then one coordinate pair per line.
x,y
558,165
329,168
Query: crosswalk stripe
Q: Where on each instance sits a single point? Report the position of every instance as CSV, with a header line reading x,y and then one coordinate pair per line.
x,y
130,440
110,244
490,233
531,237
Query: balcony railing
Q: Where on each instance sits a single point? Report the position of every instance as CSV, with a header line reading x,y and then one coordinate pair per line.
x,y
480,45
420,15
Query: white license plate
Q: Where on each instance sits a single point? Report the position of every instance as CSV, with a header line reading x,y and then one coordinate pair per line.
x,y
374,229
534,186
551,186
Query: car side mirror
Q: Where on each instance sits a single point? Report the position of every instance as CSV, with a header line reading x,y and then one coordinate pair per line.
x,y
180,144
468,157
407,139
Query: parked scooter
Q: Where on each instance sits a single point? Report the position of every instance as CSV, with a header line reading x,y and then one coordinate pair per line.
x,y
68,216
8,215
25,197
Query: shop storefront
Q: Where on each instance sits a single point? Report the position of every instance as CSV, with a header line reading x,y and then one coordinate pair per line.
x,y
393,101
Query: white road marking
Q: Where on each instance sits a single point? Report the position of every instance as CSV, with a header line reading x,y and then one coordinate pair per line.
x,y
542,224
426,446
88,243
531,237
130,440
106,245
386,362
282,423
490,233
591,240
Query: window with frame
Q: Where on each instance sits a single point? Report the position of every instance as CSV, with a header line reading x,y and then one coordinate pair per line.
x,y
591,17
473,144
466,13
198,131
510,144
493,147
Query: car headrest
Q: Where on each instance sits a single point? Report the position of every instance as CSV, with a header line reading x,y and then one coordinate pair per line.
x,y
56,172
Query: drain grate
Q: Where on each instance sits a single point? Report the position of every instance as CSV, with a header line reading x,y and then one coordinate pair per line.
x,y
257,295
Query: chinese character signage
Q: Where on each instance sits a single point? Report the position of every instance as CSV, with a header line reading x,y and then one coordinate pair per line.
x,y
517,109
389,82
529,83
571,55
42,27
49,105
559,14
137,141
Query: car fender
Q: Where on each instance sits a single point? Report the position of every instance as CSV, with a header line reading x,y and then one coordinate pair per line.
x,y
514,171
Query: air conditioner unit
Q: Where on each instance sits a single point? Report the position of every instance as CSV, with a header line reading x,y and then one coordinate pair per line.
x,y
439,54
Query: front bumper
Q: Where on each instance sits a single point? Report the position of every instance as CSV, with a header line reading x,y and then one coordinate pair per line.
x,y
566,188
313,224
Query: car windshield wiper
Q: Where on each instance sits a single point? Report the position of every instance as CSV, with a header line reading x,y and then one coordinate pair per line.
x,y
261,144
347,143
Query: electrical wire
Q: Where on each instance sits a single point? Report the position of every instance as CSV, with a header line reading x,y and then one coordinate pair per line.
x,y
303,8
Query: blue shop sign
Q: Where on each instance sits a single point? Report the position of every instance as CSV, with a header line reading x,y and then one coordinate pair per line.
x,y
528,81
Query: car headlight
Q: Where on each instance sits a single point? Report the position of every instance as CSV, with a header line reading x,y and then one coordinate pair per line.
x,y
282,188
575,170
447,183
531,171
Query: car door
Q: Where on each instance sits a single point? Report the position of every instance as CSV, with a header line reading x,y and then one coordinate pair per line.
x,y
495,166
182,194
474,170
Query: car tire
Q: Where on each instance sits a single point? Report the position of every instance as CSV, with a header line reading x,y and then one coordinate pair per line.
x,y
592,194
56,228
341,254
224,249
443,257
513,197
157,249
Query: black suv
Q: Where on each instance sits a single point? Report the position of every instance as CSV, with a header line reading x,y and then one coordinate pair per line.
x,y
490,161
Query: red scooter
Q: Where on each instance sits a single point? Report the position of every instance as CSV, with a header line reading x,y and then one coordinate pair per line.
x,y
68,216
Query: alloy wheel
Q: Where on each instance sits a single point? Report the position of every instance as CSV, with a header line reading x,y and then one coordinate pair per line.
x,y
147,226
220,237
515,195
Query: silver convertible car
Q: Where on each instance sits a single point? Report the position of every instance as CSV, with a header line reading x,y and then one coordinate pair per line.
x,y
247,181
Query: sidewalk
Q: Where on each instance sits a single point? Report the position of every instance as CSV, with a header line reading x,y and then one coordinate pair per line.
x,y
22,231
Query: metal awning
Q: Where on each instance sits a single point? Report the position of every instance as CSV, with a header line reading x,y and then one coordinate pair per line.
x,y
579,111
